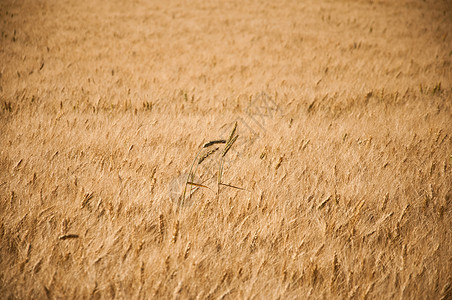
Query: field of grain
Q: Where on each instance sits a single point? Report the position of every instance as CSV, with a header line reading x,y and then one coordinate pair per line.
x,y
344,149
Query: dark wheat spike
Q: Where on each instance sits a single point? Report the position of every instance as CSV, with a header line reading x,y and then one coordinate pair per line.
x,y
208,144
206,155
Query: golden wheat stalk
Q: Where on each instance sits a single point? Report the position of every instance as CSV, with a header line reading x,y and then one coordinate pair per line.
x,y
190,172
189,176
231,140
229,143
220,174
201,159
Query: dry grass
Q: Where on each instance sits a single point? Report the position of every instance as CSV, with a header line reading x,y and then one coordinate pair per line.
x,y
348,174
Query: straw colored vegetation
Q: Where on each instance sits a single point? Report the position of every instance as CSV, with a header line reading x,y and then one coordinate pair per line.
x,y
344,125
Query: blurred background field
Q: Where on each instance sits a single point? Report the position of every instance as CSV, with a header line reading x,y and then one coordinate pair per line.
x,y
344,113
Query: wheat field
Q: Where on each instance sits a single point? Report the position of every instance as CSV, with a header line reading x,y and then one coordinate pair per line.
x,y
343,156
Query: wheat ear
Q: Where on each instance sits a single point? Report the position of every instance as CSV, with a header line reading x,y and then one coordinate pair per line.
x,y
208,144
207,154
229,145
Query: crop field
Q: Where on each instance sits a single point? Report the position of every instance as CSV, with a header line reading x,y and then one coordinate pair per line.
x,y
121,175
